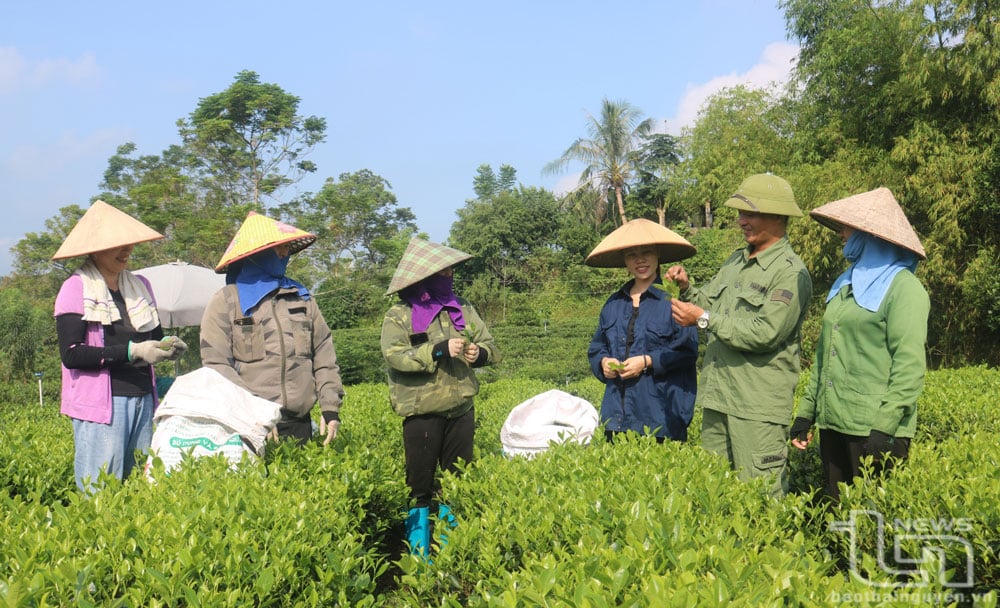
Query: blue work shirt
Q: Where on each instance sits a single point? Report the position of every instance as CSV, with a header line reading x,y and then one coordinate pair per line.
x,y
661,400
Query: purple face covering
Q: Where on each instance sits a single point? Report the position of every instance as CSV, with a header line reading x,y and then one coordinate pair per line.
x,y
428,297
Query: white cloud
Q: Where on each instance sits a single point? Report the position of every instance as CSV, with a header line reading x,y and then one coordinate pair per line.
x,y
11,68
34,161
566,184
82,70
774,68
16,72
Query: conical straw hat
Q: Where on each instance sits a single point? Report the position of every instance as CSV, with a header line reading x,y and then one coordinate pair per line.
x,y
610,253
104,227
259,232
423,259
875,212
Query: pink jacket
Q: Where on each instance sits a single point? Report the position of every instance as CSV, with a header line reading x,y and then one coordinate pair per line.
x,y
86,393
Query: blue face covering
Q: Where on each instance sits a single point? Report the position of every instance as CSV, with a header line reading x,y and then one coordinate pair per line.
x,y
874,263
259,275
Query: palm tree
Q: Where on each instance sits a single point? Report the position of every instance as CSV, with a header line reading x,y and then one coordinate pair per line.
x,y
610,153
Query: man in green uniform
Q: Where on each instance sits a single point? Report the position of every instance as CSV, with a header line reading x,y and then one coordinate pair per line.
x,y
753,311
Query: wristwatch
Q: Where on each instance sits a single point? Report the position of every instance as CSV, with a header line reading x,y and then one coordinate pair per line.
x,y
703,320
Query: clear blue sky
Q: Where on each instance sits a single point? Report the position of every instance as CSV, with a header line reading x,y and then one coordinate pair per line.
x,y
419,93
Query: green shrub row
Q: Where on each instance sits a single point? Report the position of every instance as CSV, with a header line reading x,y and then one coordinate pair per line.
x,y
635,523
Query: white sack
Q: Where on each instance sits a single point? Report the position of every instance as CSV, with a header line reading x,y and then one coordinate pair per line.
x,y
553,416
205,414
176,436
205,393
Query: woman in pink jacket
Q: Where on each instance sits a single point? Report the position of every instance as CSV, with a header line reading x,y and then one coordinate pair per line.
x,y
109,339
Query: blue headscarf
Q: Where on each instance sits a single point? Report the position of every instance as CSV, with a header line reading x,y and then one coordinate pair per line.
x,y
874,263
259,275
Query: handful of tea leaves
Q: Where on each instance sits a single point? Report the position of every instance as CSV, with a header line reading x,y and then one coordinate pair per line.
x,y
669,287
469,333
616,366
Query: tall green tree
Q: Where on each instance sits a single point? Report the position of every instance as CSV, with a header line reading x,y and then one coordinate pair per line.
x,y
164,192
850,62
917,113
656,164
356,220
609,153
489,183
738,132
504,232
251,140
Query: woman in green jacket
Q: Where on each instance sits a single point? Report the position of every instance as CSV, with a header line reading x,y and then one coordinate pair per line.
x,y
432,342
870,360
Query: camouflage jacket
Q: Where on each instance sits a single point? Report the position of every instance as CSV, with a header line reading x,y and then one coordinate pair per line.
x,y
419,384
282,351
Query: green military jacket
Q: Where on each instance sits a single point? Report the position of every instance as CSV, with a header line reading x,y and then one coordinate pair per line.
x,y
756,307
419,384
869,367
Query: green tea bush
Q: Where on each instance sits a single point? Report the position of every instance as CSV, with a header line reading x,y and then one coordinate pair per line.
x,y
359,355
634,523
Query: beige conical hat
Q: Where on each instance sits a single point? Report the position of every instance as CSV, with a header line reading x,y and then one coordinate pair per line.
x,y
104,227
421,260
670,246
259,232
875,212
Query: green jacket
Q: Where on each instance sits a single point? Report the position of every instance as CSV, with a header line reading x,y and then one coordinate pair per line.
x,y
869,367
756,307
419,384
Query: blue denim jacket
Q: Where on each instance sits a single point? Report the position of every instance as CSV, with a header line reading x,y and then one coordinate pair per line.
x,y
662,399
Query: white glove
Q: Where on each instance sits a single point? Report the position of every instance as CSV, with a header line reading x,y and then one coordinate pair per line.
x,y
151,351
179,347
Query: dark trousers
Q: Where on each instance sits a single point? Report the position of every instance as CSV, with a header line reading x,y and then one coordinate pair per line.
x,y
841,455
430,441
299,429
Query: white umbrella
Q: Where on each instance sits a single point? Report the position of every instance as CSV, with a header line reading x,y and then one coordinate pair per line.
x,y
182,291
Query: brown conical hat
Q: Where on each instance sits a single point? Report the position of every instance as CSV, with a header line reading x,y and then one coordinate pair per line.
x,y
104,227
610,252
259,232
423,259
875,212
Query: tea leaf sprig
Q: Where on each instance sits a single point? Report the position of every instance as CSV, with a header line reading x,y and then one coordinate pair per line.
x,y
670,288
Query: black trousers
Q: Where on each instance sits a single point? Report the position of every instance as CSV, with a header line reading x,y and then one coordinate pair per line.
x,y
431,441
299,429
841,455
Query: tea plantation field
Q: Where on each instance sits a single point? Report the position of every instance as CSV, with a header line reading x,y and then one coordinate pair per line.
x,y
630,524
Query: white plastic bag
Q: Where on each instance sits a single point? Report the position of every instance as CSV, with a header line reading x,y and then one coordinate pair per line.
x,y
205,414
553,416
176,436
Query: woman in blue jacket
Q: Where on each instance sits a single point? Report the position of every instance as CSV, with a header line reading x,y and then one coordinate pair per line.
x,y
645,359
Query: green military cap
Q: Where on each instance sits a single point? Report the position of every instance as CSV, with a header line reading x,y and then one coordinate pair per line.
x,y
765,193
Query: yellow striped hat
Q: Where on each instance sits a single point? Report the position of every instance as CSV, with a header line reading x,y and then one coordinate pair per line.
x,y
260,232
